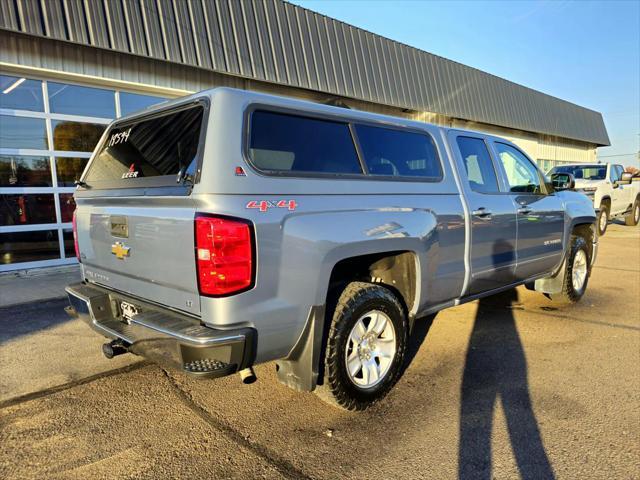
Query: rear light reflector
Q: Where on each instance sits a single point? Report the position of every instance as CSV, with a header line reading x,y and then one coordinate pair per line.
x,y
75,235
224,255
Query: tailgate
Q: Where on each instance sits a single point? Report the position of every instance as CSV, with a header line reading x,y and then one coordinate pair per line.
x,y
146,251
135,216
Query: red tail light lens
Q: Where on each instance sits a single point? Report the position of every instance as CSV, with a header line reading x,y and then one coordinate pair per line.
x,y
224,255
75,235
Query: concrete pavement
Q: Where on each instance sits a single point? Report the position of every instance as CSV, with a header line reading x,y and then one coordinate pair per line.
x,y
511,386
36,285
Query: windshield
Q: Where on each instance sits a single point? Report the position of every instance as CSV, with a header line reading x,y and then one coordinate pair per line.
x,y
136,151
586,172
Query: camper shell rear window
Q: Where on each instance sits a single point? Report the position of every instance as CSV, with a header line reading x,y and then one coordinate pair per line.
x,y
150,151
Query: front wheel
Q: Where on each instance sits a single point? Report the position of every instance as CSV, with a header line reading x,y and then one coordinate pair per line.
x,y
633,217
576,272
366,346
603,220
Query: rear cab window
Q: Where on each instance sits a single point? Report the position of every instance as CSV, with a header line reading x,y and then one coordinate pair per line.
x,y
149,151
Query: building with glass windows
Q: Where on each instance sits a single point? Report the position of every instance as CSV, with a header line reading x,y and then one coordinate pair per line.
x,y
68,67
47,132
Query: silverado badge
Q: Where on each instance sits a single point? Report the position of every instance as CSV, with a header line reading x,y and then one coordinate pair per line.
x,y
120,250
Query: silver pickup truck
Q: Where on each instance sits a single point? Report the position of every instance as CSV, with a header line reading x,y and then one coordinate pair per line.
x,y
231,228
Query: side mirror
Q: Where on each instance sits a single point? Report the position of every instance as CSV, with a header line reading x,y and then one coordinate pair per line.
x,y
563,181
625,178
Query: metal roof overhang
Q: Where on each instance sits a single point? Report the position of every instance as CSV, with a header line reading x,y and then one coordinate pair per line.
x,y
275,41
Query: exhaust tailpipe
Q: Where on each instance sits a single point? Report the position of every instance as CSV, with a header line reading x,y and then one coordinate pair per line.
x,y
114,348
248,376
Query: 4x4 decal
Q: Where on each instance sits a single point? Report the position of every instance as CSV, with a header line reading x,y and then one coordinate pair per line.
x,y
264,205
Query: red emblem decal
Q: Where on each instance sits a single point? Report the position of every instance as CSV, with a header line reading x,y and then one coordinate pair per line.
x,y
264,205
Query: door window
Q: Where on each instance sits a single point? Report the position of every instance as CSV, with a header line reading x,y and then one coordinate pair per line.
x,y
522,174
619,171
613,174
478,165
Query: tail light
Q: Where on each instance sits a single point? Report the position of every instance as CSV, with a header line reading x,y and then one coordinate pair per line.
x,y
224,255
75,235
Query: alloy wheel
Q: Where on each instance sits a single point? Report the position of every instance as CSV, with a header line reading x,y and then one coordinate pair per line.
x,y
370,349
579,270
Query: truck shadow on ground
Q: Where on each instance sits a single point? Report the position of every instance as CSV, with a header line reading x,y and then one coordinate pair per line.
x,y
26,319
417,337
496,367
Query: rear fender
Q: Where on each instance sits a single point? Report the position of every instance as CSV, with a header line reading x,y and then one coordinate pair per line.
x,y
313,247
317,242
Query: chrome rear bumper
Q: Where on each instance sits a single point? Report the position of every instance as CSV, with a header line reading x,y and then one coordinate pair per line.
x,y
162,335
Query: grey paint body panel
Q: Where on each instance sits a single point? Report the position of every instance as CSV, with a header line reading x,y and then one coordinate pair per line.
x,y
296,251
319,53
161,241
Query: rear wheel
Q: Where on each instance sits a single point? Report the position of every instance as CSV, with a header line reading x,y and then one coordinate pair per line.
x,y
603,219
576,272
633,217
366,347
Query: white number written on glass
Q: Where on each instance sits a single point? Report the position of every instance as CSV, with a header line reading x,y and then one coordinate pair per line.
x,y
121,137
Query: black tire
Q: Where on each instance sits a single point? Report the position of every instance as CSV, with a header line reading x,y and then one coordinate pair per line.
x,y
602,224
569,293
634,215
356,300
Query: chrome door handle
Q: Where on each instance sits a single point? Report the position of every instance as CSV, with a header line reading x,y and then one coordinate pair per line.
x,y
524,210
482,213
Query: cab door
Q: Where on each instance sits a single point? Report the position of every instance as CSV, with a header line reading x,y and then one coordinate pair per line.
x,y
493,215
619,194
539,211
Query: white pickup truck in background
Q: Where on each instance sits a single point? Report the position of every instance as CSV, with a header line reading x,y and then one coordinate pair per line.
x,y
611,189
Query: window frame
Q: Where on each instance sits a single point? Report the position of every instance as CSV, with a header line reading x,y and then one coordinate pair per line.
x,y
158,185
110,91
64,258
503,187
544,187
292,173
619,170
350,122
403,178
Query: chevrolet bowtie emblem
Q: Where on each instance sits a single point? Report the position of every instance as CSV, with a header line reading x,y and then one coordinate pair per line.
x,y
119,250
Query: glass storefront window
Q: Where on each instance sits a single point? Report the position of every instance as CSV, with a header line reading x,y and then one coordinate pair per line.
x,y
19,93
75,136
27,209
67,239
67,206
25,171
69,169
85,101
22,132
30,131
132,102
17,247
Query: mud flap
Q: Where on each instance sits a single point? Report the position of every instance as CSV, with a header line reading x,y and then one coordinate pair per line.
x,y
300,369
552,285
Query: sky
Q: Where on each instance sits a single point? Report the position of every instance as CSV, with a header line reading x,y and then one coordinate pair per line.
x,y
586,52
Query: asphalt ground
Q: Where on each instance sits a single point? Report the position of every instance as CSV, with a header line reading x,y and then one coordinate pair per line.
x,y
512,386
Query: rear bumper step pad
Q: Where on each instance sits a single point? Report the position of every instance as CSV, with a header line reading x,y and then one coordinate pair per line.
x,y
162,335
